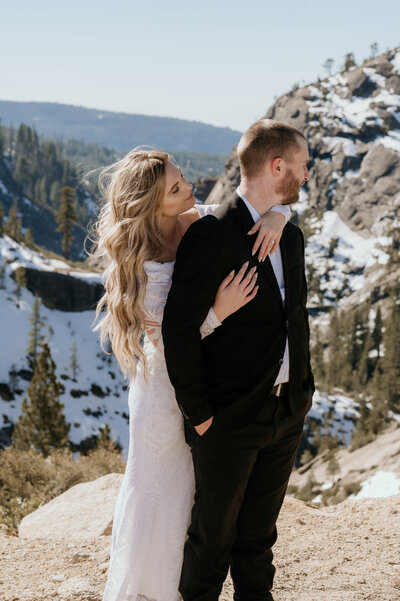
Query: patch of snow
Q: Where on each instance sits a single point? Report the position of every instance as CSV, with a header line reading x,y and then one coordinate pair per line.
x,y
352,248
342,411
336,143
302,203
351,173
375,77
91,277
327,485
317,499
95,368
396,62
3,189
391,140
381,484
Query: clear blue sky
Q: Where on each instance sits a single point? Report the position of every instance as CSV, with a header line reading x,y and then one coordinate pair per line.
x,y
217,61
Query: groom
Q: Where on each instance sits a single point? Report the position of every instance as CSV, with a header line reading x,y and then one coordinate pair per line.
x,y
245,389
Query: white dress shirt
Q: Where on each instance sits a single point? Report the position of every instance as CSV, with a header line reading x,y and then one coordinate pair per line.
x,y
276,262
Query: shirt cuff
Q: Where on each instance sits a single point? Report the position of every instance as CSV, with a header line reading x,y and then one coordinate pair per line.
x,y
212,319
283,210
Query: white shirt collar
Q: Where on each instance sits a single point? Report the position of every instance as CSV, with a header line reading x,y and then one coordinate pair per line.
x,y
256,216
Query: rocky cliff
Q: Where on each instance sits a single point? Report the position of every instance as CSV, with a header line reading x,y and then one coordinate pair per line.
x,y
352,124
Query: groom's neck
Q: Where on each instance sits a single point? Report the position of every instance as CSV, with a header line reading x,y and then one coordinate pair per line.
x,y
259,193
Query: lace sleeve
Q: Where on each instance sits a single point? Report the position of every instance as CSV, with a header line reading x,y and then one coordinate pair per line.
x,y
210,324
152,327
159,282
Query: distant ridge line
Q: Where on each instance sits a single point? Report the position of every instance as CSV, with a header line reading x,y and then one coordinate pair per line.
x,y
118,130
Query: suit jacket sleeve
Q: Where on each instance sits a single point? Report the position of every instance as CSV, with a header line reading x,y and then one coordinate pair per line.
x,y
199,270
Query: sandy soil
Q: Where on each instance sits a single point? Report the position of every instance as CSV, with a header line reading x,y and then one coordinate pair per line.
x,y
349,552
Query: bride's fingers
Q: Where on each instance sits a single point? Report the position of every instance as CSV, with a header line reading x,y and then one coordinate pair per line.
x,y
266,249
226,281
247,278
240,274
255,228
250,285
257,243
275,246
251,295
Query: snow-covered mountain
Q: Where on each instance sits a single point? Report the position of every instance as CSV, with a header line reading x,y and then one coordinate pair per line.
x,y
98,395
350,208
349,212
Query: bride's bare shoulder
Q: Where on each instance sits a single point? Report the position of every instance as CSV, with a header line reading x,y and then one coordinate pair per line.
x,y
189,217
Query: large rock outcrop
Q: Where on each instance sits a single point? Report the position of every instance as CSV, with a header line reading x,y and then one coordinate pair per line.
x,y
84,511
352,123
62,291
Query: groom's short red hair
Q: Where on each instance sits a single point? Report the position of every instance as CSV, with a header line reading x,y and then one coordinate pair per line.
x,y
265,140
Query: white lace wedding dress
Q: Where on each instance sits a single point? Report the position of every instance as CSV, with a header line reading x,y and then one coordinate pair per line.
x,y
153,507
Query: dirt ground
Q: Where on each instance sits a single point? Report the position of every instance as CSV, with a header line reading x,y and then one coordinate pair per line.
x,y
350,552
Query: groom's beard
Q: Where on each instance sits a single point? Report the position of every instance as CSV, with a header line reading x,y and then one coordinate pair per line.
x,y
289,189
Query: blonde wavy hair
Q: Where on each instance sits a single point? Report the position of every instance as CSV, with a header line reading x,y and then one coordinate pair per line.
x,y
126,235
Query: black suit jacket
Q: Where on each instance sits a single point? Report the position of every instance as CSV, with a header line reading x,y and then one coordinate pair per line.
x,y
237,365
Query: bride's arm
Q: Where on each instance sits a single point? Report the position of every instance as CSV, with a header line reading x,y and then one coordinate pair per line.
x,y
235,291
270,227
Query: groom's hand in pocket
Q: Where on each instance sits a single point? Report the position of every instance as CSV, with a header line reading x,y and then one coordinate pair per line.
x,y
202,428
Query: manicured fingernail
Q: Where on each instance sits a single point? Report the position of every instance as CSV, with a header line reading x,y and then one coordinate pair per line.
x,y
232,272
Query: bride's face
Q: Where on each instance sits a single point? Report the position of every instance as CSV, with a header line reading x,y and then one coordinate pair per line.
x,y
178,196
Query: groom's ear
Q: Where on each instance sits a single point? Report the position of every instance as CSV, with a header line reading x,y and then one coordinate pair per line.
x,y
277,166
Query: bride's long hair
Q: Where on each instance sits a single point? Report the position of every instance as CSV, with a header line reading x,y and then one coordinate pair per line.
x,y
126,235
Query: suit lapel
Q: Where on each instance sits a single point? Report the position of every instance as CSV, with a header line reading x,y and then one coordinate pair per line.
x,y
285,263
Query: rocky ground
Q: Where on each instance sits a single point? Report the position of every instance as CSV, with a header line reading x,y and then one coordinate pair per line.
x,y
349,552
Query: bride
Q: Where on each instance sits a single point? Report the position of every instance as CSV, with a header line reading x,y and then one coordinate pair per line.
x,y
148,206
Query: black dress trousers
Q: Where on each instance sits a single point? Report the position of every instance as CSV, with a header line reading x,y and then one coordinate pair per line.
x,y
241,478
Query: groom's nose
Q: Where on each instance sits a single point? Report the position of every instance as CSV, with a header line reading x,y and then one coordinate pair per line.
x,y
306,175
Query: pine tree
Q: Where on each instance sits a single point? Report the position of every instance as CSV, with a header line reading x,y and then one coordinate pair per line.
x,y
2,140
20,281
374,49
2,273
21,173
333,466
1,220
104,440
333,244
318,357
74,361
29,237
55,194
391,359
13,225
328,65
35,333
349,61
377,332
66,217
13,378
42,424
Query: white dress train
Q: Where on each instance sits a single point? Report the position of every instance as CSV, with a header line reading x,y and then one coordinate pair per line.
x,y
152,513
